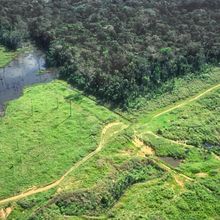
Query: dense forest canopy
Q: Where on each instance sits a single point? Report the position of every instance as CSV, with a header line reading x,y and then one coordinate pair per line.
x,y
117,49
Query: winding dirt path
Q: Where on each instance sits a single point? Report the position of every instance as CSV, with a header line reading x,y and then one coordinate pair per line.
x,y
99,148
187,101
176,142
74,167
157,160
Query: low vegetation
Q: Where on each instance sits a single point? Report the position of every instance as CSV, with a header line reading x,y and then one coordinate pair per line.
x,y
178,90
154,64
164,147
101,197
197,124
6,56
121,181
189,192
45,132
163,199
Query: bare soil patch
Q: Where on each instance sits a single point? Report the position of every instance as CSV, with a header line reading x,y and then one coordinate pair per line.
x,y
145,150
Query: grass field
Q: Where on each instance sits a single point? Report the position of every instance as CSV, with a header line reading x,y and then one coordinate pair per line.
x,y
124,180
41,136
198,123
163,199
6,56
189,132
172,92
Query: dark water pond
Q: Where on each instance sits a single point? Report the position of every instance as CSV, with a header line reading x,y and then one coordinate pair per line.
x,y
171,161
22,72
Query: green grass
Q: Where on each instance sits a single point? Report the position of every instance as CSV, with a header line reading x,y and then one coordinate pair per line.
x,y
194,123
112,155
199,161
197,123
165,199
39,138
6,56
98,199
161,198
25,207
164,147
177,91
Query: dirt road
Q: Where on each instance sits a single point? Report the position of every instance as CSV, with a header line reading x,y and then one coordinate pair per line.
x,y
74,167
187,101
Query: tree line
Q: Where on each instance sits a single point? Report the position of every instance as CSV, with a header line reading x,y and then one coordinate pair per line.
x,y
113,49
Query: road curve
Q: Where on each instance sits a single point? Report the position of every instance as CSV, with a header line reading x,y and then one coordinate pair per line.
x,y
75,166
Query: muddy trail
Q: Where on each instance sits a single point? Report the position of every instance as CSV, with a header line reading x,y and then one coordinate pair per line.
x,y
34,191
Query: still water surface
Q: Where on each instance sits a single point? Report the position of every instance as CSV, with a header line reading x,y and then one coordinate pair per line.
x,y
22,72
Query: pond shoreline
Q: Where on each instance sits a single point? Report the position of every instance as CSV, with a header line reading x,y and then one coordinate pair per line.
x,y
22,72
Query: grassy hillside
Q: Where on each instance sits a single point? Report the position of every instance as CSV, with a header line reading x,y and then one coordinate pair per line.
x,y
188,130
144,170
174,91
164,199
197,124
43,135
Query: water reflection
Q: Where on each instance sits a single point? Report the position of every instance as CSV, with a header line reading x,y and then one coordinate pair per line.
x,y
23,71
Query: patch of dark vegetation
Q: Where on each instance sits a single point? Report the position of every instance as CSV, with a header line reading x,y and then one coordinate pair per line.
x,y
103,196
171,161
211,147
117,50
11,36
26,204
